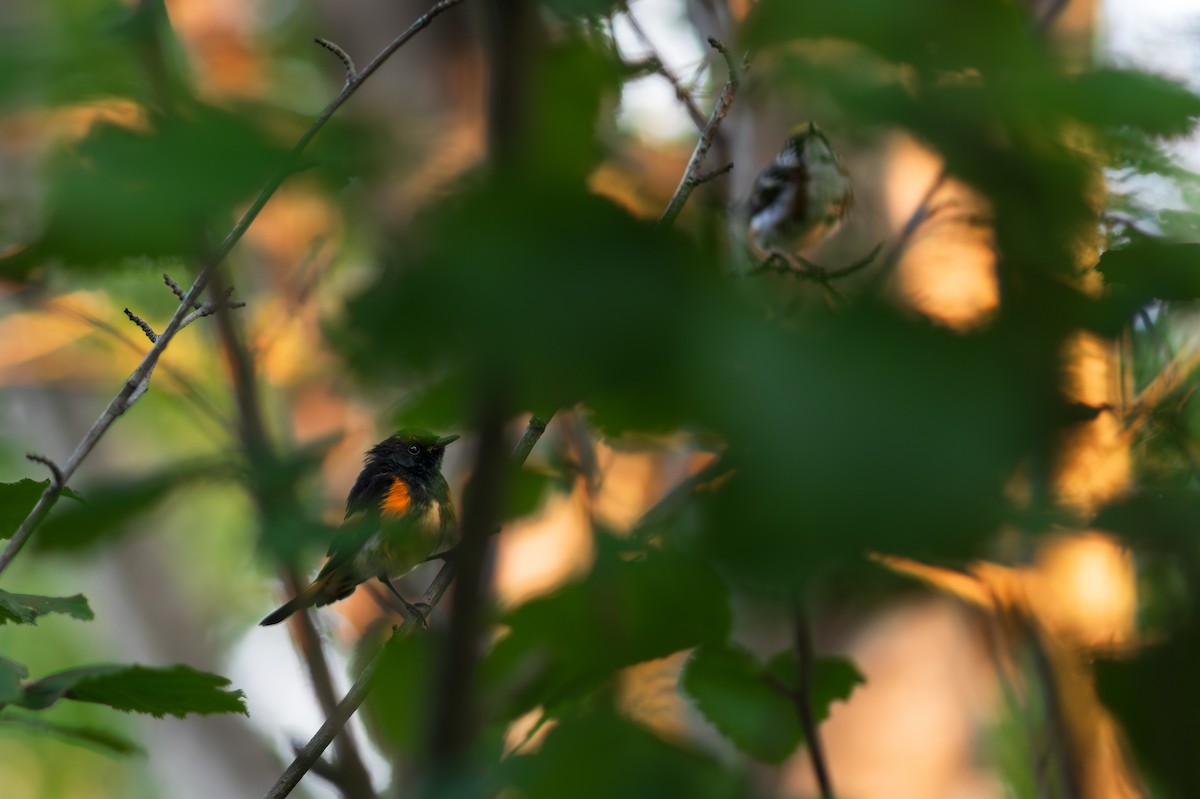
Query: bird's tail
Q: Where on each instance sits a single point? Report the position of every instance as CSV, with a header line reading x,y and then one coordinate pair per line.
x,y
317,593
287,609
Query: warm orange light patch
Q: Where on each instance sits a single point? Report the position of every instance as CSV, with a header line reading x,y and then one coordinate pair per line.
x,y
397,500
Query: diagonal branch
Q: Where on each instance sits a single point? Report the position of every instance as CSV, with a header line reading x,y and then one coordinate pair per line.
x,y
307,755
135,385
691,175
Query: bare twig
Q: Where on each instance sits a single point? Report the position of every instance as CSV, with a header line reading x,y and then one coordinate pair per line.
x,y
358,692
780,264
675,499
921,213
55,472
660,67
716,173
803,700
135,385
341,55
143,324
176,290
690,175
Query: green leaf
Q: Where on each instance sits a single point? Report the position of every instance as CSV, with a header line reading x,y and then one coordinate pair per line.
x,y
397,709
823,471
100,740
525,491
110,507
178,690
941,34
1139,691
17,499
750,703
833,679
26,608
562,646
1150,103
1151,269
600,756
731,690
583,8
124,192
11,674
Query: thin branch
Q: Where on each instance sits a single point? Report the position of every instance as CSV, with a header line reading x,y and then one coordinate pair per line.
x,y
690,175
780,264
176,290
716,173
920,214
341,55
660,67
55,472
135,385
358,692
803,700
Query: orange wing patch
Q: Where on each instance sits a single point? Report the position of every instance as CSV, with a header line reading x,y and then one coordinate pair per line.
x,y
397,500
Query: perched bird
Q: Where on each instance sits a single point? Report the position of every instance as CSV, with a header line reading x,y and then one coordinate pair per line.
x,y
399,514
802,196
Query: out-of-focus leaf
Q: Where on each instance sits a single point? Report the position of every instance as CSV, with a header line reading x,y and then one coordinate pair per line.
x,y
110,507
584,8
104,741
525,491
933,33
1160,519
560,292
600,756
833,679
563,646
749,701
26,608
1149,269
1151,103
730,689
561,142
11,674
1152,695
75,52
877,433
17,499
397,708
123,192
177,690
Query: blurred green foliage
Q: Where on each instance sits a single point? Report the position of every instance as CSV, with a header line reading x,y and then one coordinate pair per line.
x,y
853,429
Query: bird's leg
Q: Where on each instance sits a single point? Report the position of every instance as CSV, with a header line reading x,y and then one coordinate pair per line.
x,y
420,611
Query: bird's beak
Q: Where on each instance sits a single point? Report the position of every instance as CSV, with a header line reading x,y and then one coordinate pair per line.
x,y
444,440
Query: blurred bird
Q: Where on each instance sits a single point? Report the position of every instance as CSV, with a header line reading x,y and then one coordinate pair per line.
x,y
802,196
399,514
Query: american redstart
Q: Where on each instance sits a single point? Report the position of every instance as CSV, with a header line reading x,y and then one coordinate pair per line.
x,y
399,514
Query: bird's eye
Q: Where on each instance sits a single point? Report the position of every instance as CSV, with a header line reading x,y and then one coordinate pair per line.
x,y
414,449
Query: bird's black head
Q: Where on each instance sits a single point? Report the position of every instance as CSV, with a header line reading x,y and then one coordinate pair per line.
x,y
413,451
